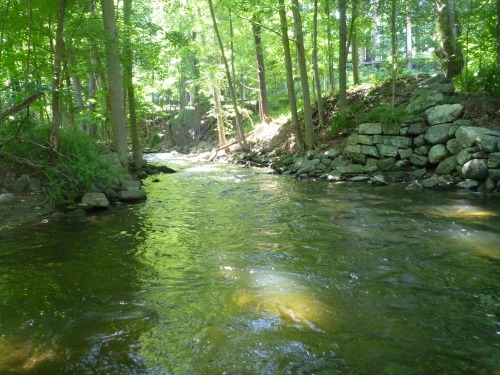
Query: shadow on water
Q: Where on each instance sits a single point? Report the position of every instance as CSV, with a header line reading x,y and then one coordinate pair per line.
x,y
70,296
224,270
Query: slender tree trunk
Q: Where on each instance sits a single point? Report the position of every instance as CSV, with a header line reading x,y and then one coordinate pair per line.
x,y
129,58
69,99
315,67
239,126
409,38
292,99
394,52
220,120
56,81
28,54
371,52
342,58
233,69
331,71
355,57
450,51
498,32
304,81
116,91
256,28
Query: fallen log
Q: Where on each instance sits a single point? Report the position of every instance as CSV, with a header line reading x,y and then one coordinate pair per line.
x,y
25,103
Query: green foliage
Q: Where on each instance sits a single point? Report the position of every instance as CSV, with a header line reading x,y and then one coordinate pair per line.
x,y
154,140
78,167
383,114
338,123
78,163
485,80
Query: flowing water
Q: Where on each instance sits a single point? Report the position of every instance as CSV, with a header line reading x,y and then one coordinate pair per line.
x,y
227,270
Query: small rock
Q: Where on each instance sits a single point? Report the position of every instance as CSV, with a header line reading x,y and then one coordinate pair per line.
x,y
415,186
468,184
334,176
360,178
7,198
95,200
378,180
132,195
21,184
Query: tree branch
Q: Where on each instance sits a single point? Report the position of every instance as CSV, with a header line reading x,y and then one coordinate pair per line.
x,y
20,106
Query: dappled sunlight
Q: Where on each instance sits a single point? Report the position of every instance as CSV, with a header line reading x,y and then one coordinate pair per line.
x,y
461,211
280,295
23,356
482,243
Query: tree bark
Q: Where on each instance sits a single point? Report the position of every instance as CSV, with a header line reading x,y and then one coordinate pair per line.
x,y
25,103
261,70
239,126
316,68
409,38
116,91
56,81
450,51
342,57
220,120
304,80
331,71
128,58
355,57
498,32
292,99
394,51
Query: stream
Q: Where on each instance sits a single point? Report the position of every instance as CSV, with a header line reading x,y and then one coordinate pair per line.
x,y
230,270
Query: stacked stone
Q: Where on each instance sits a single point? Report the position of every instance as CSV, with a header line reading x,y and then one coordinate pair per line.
x,y
441,145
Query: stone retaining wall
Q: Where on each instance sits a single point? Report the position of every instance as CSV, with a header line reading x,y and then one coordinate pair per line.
x,y
437,148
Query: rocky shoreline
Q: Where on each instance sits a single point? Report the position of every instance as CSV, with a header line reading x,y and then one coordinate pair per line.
x,y
433,148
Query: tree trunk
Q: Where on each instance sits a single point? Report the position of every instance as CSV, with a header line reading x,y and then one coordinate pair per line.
x,y
304,81
450,51
331,71
394,52
315,67
261,71
128,58
292,99
355,56
409,38
342,57
220,120
56,81
371,52
498,32
116,91
239,126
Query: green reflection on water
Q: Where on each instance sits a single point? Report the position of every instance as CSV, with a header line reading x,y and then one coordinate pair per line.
x,y
222,270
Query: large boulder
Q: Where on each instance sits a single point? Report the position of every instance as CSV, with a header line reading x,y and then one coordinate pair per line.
x,y
370,128
442,114
425,100
438,153
487,139
447,166
494,160
95,200
438,134
21,185
130,184
475,169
